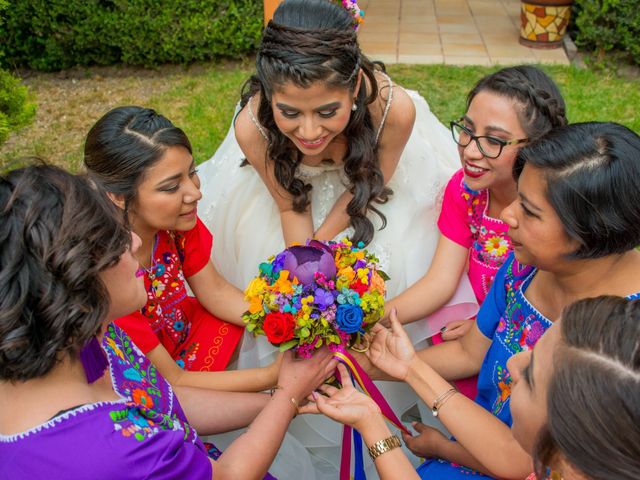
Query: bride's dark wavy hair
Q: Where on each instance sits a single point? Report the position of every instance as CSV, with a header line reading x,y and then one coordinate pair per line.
x,y
314,41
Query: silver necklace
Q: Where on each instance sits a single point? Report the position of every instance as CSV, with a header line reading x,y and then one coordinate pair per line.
x,y
151,270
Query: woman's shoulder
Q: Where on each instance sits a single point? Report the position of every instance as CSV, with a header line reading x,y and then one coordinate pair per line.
x,y
249,133
393,110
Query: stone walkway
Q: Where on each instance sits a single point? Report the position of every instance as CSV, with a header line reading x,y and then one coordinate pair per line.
x,y
453,32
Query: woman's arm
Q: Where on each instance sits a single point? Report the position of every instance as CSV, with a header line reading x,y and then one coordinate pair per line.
x,y
484,436
297,227
351,407
217,295
430,442
394,137
247,380
481,434
435,288
250,455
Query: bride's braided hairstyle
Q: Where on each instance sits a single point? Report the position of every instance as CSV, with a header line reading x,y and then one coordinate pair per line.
x,y
541,105
314,41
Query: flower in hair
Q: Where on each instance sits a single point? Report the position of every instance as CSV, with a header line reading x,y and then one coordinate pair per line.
x,y
352,7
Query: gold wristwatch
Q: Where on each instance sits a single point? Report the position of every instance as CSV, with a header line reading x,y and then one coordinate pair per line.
x,y
383,446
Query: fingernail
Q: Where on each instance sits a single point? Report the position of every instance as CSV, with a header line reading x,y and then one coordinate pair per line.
x,y
314,395
443,329
394,310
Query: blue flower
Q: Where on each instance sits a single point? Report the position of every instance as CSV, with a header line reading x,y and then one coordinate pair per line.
x,y
349,318
178,326
137,419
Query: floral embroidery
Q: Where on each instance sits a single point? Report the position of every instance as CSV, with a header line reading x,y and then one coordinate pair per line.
x,y
167,290
503,379
490,244
496,246
150,406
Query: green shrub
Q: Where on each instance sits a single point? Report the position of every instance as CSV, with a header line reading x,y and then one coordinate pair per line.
x,y
57,34
16,109
609,25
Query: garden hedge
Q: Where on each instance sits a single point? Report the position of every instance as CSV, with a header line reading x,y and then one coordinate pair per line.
x,y
58,34
609,25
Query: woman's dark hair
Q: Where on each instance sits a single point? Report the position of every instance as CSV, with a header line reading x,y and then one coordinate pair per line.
x,y
314,41
541,105
124,143
592,171
57,233
593,401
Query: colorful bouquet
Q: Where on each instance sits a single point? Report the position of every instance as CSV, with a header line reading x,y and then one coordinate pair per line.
x,y
316,294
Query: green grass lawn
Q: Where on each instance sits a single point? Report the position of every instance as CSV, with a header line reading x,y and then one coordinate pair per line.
x,y
201,100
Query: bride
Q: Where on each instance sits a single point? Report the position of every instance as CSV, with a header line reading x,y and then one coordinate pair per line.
x,y
325,145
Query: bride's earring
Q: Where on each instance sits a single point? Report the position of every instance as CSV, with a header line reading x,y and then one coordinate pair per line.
x,y
354,107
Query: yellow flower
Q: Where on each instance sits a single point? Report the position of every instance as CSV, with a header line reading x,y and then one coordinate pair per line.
x,y
496,246
255,288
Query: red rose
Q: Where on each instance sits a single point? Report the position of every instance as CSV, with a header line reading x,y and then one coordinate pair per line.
x,y
278,327
359,287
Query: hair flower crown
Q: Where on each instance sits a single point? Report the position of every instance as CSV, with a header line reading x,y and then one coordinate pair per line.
x,y
356,12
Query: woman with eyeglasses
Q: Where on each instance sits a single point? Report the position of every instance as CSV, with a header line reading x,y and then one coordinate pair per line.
x,y
504,111
574,227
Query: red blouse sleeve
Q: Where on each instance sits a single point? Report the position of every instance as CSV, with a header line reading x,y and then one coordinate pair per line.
x,y
139,330
197,249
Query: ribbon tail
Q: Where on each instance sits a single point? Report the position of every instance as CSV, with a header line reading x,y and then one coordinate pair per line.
x,y
358,470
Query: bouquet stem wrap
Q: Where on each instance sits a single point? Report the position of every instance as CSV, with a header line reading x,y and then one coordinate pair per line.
x,y
369,388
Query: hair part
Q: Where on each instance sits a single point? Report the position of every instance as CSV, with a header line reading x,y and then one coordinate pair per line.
x,y
312,41
541,106
591,171
57,233
593,408
124,143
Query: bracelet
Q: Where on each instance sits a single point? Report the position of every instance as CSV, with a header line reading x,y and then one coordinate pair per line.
x,y
441,399
383,446
293,401
272,390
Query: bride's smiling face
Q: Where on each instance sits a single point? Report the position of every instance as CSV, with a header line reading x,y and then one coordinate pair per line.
x,y
311,117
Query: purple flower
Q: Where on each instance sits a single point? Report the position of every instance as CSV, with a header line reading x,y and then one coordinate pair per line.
x,y
322,298
349,318
304,261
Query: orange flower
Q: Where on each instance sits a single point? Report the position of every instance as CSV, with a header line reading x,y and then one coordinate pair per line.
x,y
377,283
283,285
142,398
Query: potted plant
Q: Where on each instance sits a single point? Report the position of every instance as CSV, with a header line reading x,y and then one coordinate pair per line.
x,y
544,22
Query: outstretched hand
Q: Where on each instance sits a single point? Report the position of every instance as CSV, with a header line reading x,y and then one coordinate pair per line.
x,y
391,350
345,405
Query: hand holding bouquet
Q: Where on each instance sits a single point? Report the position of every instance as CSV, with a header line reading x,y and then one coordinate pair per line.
x,y
316,294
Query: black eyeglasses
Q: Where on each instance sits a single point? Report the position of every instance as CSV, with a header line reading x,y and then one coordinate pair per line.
x,y
490,147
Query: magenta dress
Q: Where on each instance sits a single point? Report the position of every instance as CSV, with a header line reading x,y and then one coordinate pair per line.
x,y
145,434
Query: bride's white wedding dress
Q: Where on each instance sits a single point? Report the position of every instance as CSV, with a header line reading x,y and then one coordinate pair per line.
x,y
245,221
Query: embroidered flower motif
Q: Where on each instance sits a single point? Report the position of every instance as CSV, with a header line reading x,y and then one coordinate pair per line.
x,y
496,246
141,397
132,374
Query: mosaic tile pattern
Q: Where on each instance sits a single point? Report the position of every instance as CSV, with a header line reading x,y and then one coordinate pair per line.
x,y
543,26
